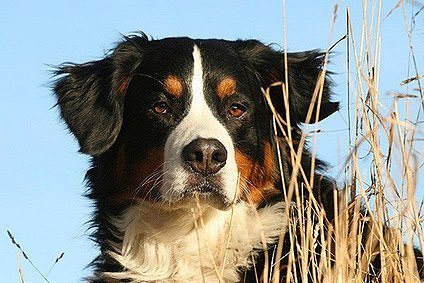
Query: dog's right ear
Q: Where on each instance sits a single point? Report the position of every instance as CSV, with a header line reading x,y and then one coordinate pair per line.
x,y
90,96
304,70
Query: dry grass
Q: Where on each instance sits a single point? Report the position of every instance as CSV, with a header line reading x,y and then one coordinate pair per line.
x,y
388,192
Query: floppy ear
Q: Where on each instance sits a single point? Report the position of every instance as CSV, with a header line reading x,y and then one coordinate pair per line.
x,y
304,69
90,96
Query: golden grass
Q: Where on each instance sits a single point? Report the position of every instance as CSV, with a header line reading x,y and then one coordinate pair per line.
x,y
387,195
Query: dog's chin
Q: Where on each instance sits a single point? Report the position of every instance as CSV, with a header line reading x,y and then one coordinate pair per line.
x,y
202,196
212,199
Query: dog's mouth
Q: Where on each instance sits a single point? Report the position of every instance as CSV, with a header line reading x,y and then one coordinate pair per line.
x,y
203,191
207,193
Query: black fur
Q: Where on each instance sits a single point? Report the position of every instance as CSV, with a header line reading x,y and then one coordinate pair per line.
x,y
106,104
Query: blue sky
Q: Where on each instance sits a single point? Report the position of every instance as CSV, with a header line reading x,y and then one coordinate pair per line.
x,y
41,173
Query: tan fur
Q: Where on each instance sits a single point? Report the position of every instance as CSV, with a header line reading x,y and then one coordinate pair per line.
x,y
226,87
257,178
173,85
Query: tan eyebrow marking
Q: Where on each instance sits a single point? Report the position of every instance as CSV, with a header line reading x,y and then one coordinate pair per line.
x,y
226,87
173,85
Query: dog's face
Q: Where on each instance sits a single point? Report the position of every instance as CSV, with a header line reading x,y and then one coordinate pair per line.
x,y
199,120
185,120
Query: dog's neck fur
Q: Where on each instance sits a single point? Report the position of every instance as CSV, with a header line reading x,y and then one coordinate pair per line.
x,y
192,245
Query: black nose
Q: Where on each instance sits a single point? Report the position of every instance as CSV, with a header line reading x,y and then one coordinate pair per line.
x,y
205,156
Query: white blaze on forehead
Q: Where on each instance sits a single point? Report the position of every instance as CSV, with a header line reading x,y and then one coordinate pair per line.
x,y
200,122
197,82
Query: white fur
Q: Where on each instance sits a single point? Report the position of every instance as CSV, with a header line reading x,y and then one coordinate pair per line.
x,y
166,246
199,123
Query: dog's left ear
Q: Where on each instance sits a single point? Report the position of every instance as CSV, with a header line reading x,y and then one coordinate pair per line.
x,y
90,96
304,69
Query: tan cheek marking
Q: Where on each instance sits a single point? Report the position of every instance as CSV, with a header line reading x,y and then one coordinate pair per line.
x,y
257,182
140,181
137,181
173,85
226,87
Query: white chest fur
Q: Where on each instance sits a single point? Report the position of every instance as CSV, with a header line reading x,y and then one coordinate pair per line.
x,y
193,246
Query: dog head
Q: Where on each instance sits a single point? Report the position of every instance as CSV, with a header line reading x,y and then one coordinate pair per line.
x,y
185,120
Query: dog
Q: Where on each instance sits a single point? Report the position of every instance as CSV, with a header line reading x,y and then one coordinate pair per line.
x,y
185,176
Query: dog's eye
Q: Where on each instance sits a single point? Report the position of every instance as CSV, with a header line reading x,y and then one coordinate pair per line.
x,y
236,110
160,107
